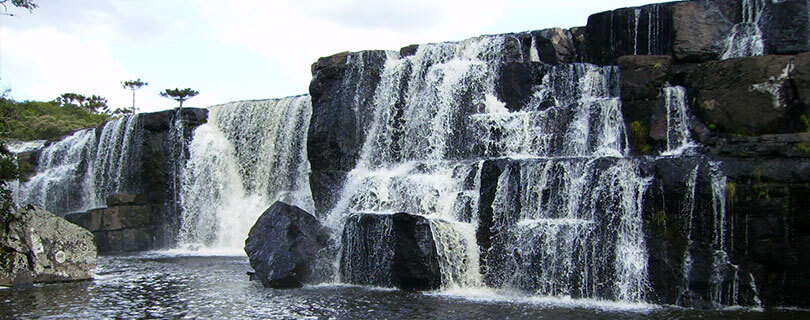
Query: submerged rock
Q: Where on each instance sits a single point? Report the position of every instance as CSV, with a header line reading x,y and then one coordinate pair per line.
x,y
288,248
390,250
37,246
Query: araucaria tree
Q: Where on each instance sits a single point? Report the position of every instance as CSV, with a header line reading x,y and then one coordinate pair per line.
x,y
25,4
179,94
133,85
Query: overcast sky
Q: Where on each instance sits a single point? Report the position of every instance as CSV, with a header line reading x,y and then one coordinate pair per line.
x,y
235,50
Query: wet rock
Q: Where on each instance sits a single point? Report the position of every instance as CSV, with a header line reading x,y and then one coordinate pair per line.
x,y
516,82
747,96
642,78
37,246
551,46
700,29
342,92
124,226
390,250
118,199
785,26
645,30
288,248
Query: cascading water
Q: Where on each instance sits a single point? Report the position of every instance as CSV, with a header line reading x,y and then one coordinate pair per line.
x,y
678,121
78,172
248,155
745,38
437,115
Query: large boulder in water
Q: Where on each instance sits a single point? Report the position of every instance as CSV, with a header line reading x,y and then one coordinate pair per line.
x,y
390,250
288,247
37,246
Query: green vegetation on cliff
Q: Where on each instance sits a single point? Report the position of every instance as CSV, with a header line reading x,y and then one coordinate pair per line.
x,y
35,120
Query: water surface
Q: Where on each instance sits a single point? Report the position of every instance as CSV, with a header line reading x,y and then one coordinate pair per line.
x,y
217,287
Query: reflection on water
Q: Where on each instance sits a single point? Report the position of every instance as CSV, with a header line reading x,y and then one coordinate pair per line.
x,y
161,286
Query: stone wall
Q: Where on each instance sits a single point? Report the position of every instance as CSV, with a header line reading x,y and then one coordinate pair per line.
x,y
128,223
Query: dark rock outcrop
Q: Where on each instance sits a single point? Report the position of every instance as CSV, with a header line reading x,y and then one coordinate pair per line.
x,y
128,223
645,30
390,250
700,28
642,78
37,246
163,157
747,96
337,127
288,248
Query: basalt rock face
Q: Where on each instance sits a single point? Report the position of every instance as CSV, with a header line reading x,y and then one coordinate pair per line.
x,y
698,30
288,248
645,30
165,137
141,154
336,131
128,223
39,247
390,250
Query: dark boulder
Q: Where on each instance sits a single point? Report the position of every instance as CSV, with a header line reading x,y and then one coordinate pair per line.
x,y
288,248
785,26
645,30
642,78
37,246
390,250
516,82
701,27
748,96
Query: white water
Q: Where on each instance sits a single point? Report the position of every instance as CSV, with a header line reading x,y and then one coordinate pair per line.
x,y
248,155
420,156
678,121
78,172
745,38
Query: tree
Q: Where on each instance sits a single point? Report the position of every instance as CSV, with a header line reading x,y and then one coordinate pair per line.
x,y
8,173
133,85
25,4
179,94
94,104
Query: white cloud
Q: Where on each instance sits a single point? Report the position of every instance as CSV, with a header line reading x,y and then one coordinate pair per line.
x,y
43,63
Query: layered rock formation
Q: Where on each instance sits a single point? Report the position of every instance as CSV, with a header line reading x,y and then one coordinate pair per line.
x,y
390,250
39,247
128,223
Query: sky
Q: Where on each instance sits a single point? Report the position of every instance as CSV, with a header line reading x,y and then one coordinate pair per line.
x,y
235,50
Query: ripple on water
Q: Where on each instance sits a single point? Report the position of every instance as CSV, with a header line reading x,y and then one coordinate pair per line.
x,y
161,285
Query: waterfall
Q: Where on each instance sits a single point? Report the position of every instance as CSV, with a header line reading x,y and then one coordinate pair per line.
x,y
437,119
678,120
78,172
745,38
249,155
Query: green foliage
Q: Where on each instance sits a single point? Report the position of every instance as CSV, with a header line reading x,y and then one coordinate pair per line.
x,y
731,191
25,4
179,95
33,120
133,85
804,147
660,218
638,135
712,126
8,172
806,121
93,104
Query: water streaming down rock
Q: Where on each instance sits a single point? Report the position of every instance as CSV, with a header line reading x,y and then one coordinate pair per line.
x,y
678,137
746,37
437,114
248,155
78,172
